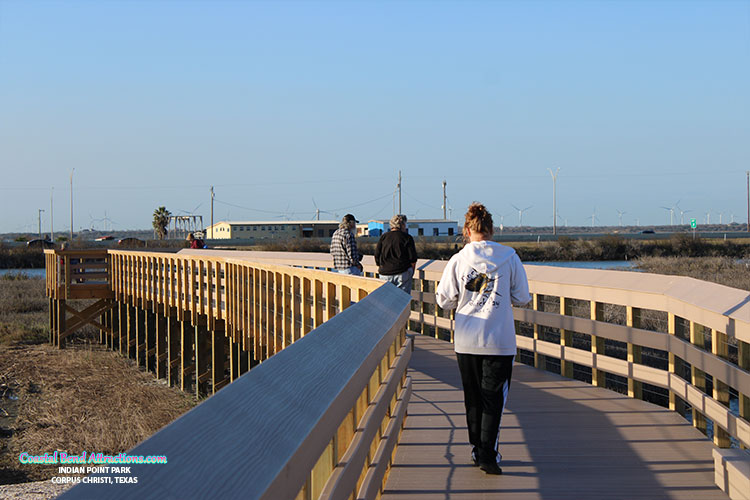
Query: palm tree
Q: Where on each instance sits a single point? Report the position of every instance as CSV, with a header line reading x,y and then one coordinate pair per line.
x,y
161,221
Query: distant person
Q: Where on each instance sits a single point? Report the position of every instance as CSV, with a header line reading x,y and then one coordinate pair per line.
x,y
481,282
346,257
195,242
396,255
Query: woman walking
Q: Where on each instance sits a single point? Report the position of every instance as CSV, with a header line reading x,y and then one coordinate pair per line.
x,y
482,282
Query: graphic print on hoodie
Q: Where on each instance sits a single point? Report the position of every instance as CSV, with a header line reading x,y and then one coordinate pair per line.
x,y
482,282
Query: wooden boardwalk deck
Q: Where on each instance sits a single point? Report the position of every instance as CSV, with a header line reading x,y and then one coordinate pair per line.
x,y
560,439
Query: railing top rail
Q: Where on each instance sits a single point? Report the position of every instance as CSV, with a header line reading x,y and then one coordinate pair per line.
x,y
77,252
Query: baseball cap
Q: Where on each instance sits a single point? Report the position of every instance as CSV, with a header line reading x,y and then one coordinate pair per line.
x,y
349,218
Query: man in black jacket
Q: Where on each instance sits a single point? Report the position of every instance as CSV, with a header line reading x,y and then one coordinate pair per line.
x,y
396,255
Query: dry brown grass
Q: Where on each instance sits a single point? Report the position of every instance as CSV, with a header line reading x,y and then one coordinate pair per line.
x,y
723,270
83,398
23,310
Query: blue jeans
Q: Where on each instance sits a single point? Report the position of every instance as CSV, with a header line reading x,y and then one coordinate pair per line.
x,y
403,280
350,270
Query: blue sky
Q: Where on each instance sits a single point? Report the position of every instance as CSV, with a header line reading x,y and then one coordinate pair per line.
x,y
284,106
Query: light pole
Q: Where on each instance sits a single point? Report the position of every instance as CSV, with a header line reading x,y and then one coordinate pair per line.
x,y
51,216
445,201
71,205
212,212
554,198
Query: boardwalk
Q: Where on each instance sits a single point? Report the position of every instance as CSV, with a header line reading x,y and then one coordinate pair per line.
x,y
560,439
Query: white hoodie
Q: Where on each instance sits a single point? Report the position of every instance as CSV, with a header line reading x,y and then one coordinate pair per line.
x,y
481,282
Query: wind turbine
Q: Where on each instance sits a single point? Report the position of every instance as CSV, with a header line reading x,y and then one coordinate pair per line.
x,y
319,211
720,216
671,212
593,217
620,213
708,217
520,213
682,215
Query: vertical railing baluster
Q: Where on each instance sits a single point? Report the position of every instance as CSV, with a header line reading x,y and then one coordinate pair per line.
x,y
635,388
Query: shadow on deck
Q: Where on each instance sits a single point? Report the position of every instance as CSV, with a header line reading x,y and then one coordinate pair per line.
x,y
560,438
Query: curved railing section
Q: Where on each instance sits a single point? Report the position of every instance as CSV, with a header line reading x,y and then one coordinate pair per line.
x,y
675,341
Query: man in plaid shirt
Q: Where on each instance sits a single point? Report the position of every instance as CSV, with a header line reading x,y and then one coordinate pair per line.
x,y
346,257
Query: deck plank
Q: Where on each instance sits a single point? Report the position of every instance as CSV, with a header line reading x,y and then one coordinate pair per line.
x,y
560,439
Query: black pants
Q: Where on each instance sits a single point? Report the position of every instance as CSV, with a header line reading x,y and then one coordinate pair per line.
x,y
486,381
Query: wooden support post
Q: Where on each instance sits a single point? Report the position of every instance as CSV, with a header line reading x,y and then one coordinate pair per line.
x,y
720,349
174,340
131,331
635,388
61,323
140,336
423,307
150,344
52,321
598,377
161,355
218,357
115,326
675,404
698,377
202,354
743,361
234,360
102,334
566,340
122,332
246,361
539,361
187,346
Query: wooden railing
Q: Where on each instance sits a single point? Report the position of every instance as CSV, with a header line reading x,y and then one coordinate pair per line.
x,y
675,341
321,414
77,274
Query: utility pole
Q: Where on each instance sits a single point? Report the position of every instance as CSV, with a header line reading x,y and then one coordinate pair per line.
x,y
51,215
212,212
554,199
71,205
399,191
445,202
748,200
40,222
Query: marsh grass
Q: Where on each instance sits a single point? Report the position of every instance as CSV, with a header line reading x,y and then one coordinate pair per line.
x,y
82,398
722,270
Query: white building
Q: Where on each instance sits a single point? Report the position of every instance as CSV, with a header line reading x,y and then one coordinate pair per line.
x,y
281,229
